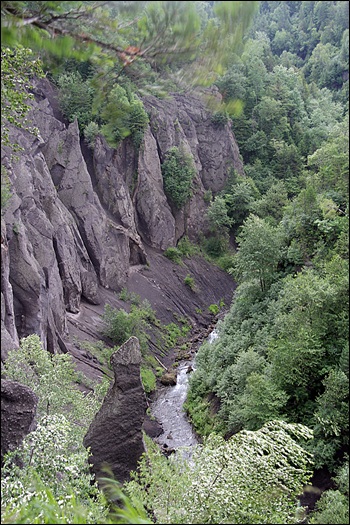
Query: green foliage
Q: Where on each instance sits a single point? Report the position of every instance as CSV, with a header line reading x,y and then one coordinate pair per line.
x,y
122,114
239,200
100,351
214,309
288,81
41,505
116,115
200,415
218,215
309,340
52,378
56,486
18,68
33,481
282,351
90,133
137,122
189,281
208,196
173,333
137,31
216,245
173,254
272,203
148,379
178,172
121,325
260,401
332,508
259,251
63,468
5,189
332,417
133,297
253,474
331,160
75,98
186,247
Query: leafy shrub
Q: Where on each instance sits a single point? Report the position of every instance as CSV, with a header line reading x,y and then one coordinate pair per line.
x,y
133,297
38,487
333,506
178,172
214,309
62,467
189,281
40,504
121,325
90,133
124,294
226,262
18,68
173,333
215,246
173,254
218,215
208,196
75,98
137,121
186,247
102,352
200,415
122,115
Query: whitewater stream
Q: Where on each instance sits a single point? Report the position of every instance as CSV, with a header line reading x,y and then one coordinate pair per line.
x,y
168,409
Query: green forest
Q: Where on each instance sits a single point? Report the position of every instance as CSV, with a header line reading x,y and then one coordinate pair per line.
x,y
270,396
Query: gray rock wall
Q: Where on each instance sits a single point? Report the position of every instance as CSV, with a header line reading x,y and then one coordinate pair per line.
x,y
18,410
114,436
184,120
78,223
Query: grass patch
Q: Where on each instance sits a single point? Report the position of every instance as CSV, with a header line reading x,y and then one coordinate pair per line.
x,y
148,379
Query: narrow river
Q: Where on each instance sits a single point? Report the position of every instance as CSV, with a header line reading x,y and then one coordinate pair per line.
x,y
168,409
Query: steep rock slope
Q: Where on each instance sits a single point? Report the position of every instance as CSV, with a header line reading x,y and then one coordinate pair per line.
x,y
79,227
114,436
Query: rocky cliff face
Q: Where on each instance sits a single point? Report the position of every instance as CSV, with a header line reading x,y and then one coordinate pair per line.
x,y
18,410
80,226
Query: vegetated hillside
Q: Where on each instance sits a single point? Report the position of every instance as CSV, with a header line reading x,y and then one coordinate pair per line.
x,y
283,349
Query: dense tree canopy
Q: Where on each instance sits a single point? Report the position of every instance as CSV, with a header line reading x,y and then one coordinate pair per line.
x,y
282,350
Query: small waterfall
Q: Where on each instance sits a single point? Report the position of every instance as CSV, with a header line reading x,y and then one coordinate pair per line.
x,y
213,335
168,409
